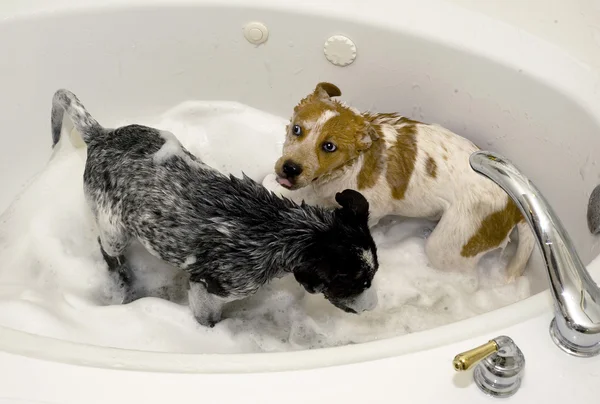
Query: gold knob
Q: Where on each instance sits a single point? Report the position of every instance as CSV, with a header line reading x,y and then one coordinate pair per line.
x,y
466,360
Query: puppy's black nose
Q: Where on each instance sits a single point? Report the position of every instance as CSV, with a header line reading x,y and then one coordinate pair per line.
x,y
291,169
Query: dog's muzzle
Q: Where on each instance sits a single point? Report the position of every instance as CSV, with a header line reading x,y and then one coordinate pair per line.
x,y
289,172
366,301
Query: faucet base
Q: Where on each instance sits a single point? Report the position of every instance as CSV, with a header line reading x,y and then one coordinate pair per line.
x,y
499,374
491,387
569,347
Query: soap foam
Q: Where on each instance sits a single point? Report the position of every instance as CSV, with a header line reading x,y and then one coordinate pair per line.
x,y
54,282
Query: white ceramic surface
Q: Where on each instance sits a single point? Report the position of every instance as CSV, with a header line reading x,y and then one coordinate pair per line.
x,y
499,86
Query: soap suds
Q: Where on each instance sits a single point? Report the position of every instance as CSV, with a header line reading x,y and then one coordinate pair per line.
x,y
54,282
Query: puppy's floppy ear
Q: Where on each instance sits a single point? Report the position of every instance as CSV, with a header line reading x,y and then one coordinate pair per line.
x,y
326,90
367,136
353,202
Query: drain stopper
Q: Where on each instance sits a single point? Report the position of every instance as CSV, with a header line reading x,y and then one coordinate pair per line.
x,y
340,50
256,33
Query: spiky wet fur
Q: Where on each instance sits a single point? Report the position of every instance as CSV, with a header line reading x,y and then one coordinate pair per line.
x,y
230,234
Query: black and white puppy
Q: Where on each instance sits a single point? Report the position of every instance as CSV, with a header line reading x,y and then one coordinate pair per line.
x,y
230,234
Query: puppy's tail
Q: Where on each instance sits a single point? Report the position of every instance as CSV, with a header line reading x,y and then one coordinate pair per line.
x,y
517,264
65,101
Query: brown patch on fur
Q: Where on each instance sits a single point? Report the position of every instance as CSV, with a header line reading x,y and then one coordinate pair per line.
x,y
390,118
431,167
347,131
445,157
350,132
313,105
384,117
402,157
409,121
493,230
310,109
372,165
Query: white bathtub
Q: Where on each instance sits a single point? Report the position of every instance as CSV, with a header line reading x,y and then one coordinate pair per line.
x,y
502,88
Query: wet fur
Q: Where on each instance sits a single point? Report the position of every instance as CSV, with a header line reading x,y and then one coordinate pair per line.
x,y
404,168
230,234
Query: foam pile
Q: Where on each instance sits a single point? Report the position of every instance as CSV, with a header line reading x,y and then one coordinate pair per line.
x,y
53,280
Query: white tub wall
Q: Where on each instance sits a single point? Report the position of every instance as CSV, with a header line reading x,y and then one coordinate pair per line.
x,y
573,25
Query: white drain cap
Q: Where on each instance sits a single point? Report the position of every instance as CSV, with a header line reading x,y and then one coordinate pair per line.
x,y
340,50
256,33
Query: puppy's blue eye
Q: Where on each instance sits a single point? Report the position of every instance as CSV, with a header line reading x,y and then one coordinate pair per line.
x,y
329,147
296,130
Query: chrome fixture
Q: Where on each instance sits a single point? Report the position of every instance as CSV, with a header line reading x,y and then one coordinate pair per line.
x,y
500,365
576,324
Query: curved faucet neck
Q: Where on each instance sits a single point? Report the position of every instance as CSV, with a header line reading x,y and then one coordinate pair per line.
x,y
576,328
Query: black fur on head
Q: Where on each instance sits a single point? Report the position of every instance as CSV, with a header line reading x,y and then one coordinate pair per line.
x,y
344,257
353,203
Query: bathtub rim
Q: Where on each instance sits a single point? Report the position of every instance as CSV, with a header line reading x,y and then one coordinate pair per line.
x,y
56,350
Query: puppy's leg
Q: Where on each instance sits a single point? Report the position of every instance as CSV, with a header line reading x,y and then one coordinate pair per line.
x,y
113,237
113,242
444,246
119,268
206,307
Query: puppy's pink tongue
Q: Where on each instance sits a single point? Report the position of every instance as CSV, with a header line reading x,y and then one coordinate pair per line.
x,y
284,182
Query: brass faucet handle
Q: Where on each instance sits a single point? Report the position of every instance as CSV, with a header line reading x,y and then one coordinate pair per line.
x,y
499,366
466,360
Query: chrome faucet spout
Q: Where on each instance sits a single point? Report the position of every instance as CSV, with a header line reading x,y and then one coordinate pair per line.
x,y
576,325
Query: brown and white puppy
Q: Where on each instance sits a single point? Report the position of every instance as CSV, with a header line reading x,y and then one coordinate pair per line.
x,y
403,167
